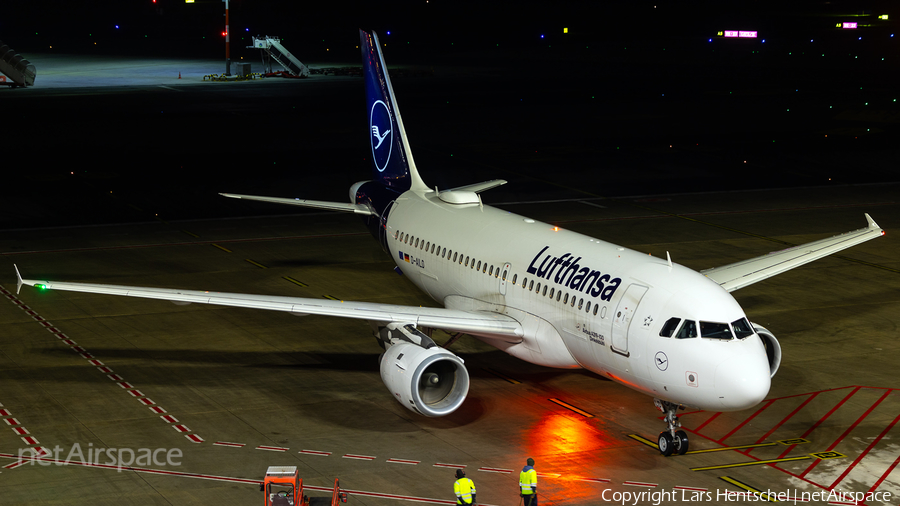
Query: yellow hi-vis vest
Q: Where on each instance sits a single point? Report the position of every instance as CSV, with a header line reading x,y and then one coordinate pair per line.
x,y
528,480
464,488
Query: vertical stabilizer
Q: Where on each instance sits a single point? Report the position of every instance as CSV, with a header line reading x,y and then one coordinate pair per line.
x,y
392,160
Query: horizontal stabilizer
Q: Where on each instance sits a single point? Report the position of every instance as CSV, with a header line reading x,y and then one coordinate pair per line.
x,y
746,272
315,204
478,187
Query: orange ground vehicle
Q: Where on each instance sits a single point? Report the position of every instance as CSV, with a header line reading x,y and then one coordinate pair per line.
x,y
283,487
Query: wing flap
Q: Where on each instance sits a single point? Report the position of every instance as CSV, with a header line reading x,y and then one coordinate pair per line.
x,y
746,272
471,322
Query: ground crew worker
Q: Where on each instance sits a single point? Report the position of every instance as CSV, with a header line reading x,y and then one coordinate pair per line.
x,y
464,488
528,484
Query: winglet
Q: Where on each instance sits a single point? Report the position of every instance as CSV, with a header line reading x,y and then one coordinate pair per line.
x,y
18,280
872,223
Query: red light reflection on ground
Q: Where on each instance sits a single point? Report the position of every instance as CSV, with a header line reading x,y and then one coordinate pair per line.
x,y
570,446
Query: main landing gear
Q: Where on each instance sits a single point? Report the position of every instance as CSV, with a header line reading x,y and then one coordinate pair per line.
x,y
671,440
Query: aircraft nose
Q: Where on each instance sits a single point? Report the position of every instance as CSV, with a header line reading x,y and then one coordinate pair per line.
x,y
742,381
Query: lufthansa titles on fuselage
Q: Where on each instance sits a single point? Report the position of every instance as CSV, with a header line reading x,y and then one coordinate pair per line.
x,y
566,271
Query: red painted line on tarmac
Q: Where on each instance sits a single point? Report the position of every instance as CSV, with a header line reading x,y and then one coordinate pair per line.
x,y
451,466
819,422
865,452
840,438
4,412
21,431
53,330
114,377
96,362
11,421
404,461
181,428
104,369
124,384
358,457
640,484
549,475
45,323
149,402
69,342
15,464
886,473
135,393
314,452
273,448
779,424
78,349
225,443
169,419
745,422
707,421
30,440
194,438
86,355
495,470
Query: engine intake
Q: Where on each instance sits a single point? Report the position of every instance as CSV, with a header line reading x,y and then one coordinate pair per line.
x,y
773,349
431,382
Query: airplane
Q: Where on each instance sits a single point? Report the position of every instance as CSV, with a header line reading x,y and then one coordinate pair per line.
x,y
540,293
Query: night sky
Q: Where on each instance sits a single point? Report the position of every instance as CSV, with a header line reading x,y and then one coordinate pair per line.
x,y
437,28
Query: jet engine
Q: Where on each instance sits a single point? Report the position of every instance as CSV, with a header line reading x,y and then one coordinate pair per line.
x,y
424,377
773,349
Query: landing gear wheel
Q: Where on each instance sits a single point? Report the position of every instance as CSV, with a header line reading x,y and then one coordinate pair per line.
x,y
666,444
681,441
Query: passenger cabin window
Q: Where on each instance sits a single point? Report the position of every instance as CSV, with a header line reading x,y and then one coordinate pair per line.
x,y
514,278
467,261
588,307
479,265
596,307
504,275
573,301
688,330
491,272
741,328
558,295
551,292
669,327
566,300
427,244
715,330
531,285
545,291
539,287
580,302
416,245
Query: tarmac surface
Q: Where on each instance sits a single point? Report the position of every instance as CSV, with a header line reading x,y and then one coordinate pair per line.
x,y
237,390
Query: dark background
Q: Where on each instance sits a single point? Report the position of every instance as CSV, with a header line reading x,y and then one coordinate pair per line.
x,y
638,98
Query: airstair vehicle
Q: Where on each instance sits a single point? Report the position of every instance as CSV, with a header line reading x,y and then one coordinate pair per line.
x,y
19,70
271,49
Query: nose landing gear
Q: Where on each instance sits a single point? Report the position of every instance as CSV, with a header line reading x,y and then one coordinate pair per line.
x,y
671,440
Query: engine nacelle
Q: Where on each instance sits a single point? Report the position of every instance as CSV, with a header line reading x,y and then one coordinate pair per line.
x,y
773,349
431,382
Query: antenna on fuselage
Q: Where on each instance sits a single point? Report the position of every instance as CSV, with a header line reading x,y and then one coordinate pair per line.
x,y
669,260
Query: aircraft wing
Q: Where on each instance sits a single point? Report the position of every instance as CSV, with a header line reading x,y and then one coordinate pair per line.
x,y
740,274
315,204
471,322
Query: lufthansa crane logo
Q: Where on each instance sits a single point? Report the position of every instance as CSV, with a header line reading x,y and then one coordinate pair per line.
x,y
382,134
662,361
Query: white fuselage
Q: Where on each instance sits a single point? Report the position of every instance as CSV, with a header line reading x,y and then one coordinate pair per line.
x,y
583,302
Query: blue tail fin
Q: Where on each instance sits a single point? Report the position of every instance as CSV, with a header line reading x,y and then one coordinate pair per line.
x,y
392,160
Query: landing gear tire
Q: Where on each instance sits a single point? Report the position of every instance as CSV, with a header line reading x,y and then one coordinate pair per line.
x,y
666,444
681,442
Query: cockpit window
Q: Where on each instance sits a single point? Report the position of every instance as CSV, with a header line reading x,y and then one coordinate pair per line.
x,y
669,327
688,330
715,330
741,328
